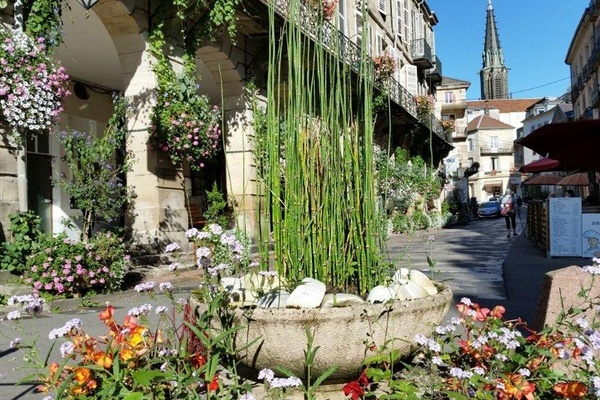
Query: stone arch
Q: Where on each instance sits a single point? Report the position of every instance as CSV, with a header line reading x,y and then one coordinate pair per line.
x,y
222,68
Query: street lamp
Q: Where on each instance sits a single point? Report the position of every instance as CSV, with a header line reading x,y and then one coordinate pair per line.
x,y
87,4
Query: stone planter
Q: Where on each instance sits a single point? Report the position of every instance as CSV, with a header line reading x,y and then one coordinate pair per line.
x,y
276,337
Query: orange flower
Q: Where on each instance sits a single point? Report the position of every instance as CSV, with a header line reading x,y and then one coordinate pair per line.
x,y
126,353
107,316
570,390
102,359
516,387
81,375
498,312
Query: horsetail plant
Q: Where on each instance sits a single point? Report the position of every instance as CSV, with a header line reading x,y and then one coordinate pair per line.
x,y
319,206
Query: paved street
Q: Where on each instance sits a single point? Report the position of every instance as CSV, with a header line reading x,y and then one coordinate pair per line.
x,y
469,258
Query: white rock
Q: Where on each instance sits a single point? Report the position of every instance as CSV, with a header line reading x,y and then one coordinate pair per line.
x,y
423,280
381,294
341,300
274,299
401,273
411,290
309,294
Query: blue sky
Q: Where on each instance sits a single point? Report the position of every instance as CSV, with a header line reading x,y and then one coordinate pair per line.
x,y
534,34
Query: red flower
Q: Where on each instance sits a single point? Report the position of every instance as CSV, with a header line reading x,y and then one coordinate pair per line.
x,y
214,384
354,390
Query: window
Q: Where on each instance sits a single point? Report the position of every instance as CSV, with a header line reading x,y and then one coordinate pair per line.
x,y
494,142
471,145
449,97
342,17
358,17
379,43
495,164
399,12
382,6
407,31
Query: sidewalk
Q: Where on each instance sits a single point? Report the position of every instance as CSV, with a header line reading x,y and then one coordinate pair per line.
x,y
524,268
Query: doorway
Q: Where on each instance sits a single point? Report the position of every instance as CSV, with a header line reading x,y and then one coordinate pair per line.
x,y
39,180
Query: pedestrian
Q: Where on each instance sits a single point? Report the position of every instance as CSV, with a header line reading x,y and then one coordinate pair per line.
x,y
570,193
519,204
508,211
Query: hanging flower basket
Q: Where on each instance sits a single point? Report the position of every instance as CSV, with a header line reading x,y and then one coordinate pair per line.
x,y
32,85
185,126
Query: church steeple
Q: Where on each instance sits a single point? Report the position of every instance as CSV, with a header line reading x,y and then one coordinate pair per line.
x,y
493,74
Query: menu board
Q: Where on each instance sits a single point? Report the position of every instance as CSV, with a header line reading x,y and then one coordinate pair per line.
x,y
590,235
564,216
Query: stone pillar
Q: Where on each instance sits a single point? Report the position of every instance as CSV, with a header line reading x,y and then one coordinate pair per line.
x,y
160,215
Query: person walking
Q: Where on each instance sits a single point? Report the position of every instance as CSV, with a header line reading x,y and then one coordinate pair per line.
x,y
508,211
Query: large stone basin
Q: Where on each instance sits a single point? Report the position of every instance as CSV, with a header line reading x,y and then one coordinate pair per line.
x,y
271,338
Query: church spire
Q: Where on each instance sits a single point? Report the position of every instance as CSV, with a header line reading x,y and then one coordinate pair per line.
x,y
494,74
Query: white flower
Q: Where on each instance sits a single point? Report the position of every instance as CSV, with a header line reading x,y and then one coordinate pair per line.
x,y
160,309
15,343
266,374
13,315
66,349
172,247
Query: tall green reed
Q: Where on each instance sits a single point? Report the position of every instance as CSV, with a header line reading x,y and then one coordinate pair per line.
x,y
319,201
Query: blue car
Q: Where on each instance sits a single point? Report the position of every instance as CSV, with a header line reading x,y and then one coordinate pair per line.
x,y
489,209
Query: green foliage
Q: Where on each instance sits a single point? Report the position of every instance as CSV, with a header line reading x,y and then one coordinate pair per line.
x,y
184,124
43,19
319,213
98,166
216,212
25,233
65,267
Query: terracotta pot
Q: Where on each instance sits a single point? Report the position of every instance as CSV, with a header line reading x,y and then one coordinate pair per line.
x,y
276,337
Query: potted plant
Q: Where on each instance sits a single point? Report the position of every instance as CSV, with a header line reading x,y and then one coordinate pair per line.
x,y
320,227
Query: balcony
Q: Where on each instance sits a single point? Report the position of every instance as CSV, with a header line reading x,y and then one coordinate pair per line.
x,y
349,53
496,150
435,74
420,52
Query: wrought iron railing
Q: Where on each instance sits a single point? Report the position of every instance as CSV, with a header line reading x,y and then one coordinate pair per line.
x,y
351,54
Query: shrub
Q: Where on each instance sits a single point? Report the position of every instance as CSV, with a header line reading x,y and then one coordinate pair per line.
x,y
25,231
67,267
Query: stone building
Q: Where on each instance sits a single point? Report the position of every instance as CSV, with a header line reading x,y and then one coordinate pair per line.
x,y
106,49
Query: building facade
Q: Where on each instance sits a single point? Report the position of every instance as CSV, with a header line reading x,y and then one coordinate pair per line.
x,y
106,49
583,58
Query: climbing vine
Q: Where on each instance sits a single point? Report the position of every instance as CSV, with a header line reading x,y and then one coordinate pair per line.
x,y
185,126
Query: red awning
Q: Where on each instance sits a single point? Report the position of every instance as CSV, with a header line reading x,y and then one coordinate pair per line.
x,y
574,144
541,165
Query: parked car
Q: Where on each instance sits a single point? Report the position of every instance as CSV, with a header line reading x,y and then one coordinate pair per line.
x,y
489,209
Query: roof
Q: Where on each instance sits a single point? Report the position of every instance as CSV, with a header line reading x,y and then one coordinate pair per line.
x,y
446,80
486,122
504,105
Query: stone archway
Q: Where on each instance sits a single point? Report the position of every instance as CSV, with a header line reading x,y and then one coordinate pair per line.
x,y
222,70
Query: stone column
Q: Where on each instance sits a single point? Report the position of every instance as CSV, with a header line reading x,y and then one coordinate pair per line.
x,y
160,215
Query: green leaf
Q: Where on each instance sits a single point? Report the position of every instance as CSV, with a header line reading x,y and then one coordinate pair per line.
x,y
134,396
145,378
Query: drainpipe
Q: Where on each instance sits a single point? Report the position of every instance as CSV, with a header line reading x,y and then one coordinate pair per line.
x,y
21,151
